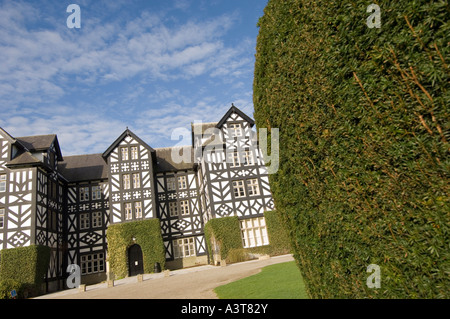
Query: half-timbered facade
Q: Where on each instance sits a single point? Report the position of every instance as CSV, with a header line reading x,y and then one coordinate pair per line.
x,y
131,179
32,198
87,214
234,179
179,209
68,203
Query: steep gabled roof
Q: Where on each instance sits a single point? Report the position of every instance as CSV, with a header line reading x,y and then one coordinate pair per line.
x,y
26,158
165,161
12,140
116,143
83,168
234,109
202,127
38,143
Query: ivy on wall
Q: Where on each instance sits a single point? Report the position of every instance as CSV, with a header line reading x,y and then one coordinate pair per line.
x,y
147,234
227,235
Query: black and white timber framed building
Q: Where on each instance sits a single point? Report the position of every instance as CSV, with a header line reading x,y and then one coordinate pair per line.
x,y
68,203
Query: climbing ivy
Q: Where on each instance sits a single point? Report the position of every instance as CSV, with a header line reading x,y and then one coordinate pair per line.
x,y
146,233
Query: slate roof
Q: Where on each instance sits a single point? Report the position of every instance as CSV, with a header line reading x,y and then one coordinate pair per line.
x,y
26,158
83,168
38,143
202,127
165,162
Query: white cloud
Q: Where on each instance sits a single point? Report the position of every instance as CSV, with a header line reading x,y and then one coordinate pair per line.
x,y
75,136
44,67
182,4
157,126
104,51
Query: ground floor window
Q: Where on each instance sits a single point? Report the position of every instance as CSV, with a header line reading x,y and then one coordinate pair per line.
x,y
184,247
254,232
93,263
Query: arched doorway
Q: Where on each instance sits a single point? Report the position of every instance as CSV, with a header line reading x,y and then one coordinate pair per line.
x,y
135,261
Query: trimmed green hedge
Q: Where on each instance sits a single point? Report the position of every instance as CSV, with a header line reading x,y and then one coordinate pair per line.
x,y
147,234
23,268
364,142
279,241
227,234
8,285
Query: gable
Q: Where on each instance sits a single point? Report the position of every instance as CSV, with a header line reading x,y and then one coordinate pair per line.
x,y
5,135
235,115
41,143
125,139
5,141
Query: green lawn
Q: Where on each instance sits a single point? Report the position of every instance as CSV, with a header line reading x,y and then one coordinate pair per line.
x,y
280,281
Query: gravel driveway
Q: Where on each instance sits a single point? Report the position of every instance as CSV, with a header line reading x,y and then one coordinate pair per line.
x,y
193,283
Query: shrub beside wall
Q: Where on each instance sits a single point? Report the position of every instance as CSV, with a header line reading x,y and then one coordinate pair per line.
x,y
227,235
8,285
279,241
24,269
147,235
364,142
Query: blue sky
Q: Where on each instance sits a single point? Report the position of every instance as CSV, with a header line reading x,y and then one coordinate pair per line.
x,y
152,66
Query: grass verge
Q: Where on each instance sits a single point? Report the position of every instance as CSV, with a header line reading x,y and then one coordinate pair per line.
x,y
280,281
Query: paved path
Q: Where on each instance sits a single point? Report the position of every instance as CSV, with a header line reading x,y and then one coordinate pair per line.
x,y
193,283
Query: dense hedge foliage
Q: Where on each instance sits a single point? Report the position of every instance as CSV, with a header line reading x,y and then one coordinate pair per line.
x,y
227,234
147,235
364,130
279,242
24,269
8,285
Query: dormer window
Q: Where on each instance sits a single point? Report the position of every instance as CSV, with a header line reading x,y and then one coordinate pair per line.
x,y
52,158
235,130
14,151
